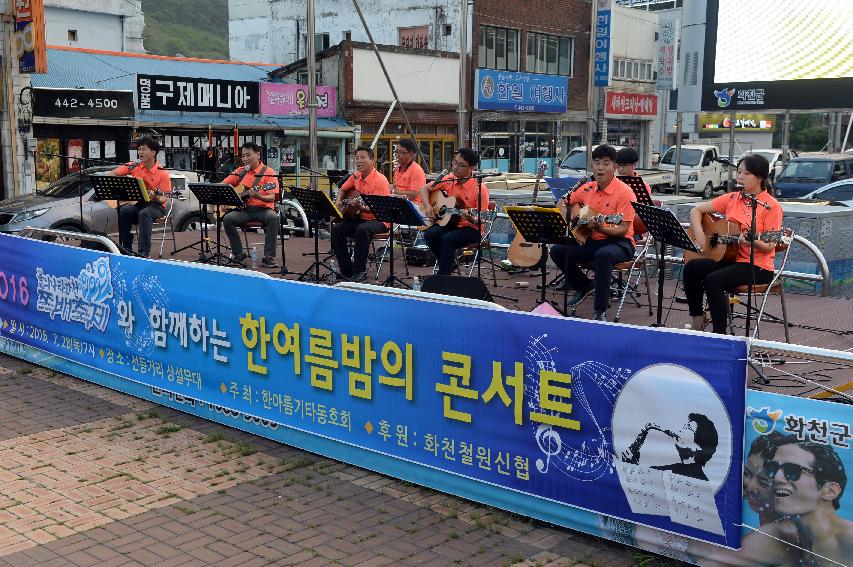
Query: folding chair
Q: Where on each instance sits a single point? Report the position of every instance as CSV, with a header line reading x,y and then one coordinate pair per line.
x,y
775,287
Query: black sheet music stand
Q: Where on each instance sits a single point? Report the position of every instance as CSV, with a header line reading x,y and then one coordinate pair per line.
x,y
317,206
216,194
541,225
666,229
638,186
393,210
120,189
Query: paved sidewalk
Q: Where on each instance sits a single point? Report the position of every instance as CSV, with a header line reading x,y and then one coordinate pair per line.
x,y
89,476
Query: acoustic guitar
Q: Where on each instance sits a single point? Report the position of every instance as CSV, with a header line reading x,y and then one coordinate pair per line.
x,y
448,208
522,253
722,239
579,225
351,204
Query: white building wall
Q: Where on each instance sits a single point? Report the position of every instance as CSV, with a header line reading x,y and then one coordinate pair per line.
x,y
633,34
412,76
273,30
113,25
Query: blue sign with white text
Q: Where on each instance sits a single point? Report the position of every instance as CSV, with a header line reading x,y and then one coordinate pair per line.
x,y
521,92
601,76
595,416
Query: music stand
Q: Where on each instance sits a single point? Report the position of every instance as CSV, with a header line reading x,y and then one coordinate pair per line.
x,y
540,225
666,229
216,194
316,205
637,185
120,188
393,210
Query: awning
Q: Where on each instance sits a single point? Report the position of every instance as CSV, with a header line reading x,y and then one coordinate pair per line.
x,y
293,126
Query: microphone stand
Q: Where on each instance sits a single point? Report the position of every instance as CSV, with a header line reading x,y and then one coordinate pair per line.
x,y
753,201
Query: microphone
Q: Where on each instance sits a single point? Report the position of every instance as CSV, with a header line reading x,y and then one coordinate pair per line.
x,y
343,179
441,176
753,198
723,161
134,166
580,182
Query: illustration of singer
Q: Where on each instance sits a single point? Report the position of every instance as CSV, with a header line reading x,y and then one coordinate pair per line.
x,y
695,442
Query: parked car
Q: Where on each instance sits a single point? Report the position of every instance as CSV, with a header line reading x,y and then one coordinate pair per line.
x,y
773,156
840,192
808,172
574,164
58,206
700,172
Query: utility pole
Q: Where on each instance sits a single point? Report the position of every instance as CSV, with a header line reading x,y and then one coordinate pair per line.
x,y
312,95
463,68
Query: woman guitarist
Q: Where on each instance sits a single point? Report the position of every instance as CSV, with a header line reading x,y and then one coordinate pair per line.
x,y
714,278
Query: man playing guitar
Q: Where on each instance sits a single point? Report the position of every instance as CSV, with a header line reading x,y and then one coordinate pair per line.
x,y
261,191
444,241
363,226
707,276
157,182
409,176
608,244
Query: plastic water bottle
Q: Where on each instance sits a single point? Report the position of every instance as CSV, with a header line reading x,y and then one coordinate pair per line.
x,y
333,275
254,254
416,284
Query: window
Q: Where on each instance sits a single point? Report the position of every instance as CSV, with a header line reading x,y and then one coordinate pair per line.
x,y
840,193
302,77
72,35
633,70
550,54
448,29
346,36
321,42
498,48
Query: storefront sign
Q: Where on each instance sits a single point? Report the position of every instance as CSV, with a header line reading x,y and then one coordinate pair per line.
x,y
603,18
82,103
292,100
28,39
414,38
668,29
521,92
190,94
743,122
620,105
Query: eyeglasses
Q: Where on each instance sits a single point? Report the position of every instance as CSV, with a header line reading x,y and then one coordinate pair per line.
x,y
792,471
399,151
457,163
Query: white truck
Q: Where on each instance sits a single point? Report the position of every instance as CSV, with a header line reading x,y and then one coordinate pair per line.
x,y
574,164
700,170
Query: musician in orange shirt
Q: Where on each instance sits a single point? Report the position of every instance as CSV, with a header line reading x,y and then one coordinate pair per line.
x,y
409,176
364,226
608,244
156,181
711,278
261,191
444,241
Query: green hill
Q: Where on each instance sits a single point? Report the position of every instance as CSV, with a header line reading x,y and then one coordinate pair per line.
x,y
191,28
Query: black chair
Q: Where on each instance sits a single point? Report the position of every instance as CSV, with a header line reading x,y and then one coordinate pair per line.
x,y
458,286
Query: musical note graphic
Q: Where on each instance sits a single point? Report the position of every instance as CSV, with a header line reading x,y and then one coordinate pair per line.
x,y
592,457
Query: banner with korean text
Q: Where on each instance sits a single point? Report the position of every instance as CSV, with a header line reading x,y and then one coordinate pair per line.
x,y
550,417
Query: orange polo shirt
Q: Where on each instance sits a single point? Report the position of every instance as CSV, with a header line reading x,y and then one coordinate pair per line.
x,y
155,178
267,183
374,183
614,199
737,209
466,193
410,179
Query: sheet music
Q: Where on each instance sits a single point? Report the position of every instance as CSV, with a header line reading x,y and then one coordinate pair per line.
x,y
644,489
691,502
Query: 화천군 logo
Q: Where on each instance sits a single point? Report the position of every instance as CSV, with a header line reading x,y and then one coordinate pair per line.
x,y
487,87
724,97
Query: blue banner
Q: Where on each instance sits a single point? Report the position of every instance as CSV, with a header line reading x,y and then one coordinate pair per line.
x,y
603,23
645,425
521,92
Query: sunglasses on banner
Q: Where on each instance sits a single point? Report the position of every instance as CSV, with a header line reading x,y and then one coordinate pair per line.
x,y
792,471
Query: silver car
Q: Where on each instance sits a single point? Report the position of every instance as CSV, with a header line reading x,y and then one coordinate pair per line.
x,y
59,206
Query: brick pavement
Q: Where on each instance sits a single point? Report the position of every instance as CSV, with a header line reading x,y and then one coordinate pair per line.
x,y
90,476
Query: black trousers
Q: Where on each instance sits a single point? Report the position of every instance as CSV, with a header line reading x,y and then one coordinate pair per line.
x,y
362,232
709,277
445,241
143,213
603,254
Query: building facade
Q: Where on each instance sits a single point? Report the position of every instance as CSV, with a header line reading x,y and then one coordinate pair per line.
x,y
111,25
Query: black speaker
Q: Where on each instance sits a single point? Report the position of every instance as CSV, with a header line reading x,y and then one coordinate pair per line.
x,y
458,286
